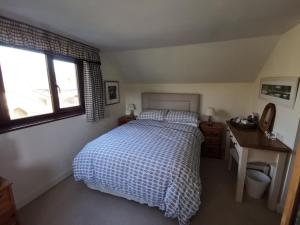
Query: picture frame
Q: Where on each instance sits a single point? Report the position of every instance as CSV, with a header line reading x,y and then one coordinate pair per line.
x,y
112,92
280,90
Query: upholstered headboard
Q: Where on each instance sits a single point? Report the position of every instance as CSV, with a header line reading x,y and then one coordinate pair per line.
x,y
187,102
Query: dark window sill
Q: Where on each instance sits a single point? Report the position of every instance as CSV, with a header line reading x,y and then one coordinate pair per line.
x,y
38,120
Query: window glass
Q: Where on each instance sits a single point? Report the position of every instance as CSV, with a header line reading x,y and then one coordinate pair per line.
x,y
26,83
67,83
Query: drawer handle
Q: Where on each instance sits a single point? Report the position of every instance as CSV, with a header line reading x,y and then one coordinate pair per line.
x,y
230,136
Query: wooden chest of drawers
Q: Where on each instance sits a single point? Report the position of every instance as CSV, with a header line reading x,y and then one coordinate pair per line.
x,y
212,146
7,204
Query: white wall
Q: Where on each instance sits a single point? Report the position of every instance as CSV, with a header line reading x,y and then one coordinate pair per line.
x,y
229,99
37,158
284,61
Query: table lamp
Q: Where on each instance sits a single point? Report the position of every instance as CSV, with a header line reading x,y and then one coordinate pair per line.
x,y
131,107
210,112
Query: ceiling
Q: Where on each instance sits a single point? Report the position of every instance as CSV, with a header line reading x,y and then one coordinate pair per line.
x,y
134,24
226,61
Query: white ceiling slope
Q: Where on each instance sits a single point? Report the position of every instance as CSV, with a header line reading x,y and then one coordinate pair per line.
x,y
227,61
133,24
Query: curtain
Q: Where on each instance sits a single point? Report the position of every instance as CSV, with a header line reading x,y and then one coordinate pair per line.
x,y
18,34
93,91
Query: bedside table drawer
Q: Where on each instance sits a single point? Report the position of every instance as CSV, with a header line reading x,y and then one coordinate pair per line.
x,y
8,217
6,204
211,151
211,145
212,133
212,141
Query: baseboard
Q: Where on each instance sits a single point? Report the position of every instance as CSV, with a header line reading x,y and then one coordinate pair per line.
x,y
42,189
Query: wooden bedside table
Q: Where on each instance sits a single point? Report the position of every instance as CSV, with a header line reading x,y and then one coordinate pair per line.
x,y
212,145
7,204
125,119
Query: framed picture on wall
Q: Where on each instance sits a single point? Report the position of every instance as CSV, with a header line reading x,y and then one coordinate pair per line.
x,y
112,93
281,90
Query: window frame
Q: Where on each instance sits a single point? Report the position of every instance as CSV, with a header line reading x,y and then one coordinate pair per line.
x,y
7,125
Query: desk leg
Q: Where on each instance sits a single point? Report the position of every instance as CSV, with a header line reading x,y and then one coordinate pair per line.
x,y
227,145
229,162
242,168
276,182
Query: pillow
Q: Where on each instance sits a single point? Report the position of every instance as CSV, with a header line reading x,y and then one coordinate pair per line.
x,y
183,117
154,114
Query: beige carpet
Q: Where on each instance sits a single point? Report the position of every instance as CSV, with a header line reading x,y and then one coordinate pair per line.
x,y
71,203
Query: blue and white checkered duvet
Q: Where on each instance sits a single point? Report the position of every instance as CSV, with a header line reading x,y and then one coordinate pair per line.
x,y
153,162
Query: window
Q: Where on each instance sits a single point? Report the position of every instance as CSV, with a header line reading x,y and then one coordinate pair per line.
x,y
25,79
67,83
36,87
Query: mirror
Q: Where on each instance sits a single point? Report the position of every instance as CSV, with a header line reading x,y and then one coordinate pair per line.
x,y
267,119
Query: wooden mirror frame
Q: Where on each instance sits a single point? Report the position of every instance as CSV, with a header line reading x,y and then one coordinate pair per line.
x,y
267,119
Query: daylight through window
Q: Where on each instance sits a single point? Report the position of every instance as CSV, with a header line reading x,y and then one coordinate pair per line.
x,y
37,84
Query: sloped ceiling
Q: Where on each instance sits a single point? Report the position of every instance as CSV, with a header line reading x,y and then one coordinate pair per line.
x,y
213,40
133,24
228,61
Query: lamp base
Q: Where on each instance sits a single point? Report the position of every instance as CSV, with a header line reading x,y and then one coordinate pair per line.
x,y
210,122
132,113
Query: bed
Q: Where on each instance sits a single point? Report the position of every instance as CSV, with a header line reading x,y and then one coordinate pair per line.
x,y
148,161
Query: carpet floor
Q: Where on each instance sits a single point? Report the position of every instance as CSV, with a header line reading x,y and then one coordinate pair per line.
x,y
72,203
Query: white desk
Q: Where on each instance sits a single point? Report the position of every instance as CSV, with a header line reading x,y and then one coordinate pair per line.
x,y
253,146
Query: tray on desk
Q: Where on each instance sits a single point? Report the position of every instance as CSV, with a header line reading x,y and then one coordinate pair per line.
x,y
251,126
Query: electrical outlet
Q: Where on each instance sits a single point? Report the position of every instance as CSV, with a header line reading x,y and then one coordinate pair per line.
x,y
279,136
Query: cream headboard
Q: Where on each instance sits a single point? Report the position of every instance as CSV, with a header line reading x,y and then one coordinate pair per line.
x,y
187,102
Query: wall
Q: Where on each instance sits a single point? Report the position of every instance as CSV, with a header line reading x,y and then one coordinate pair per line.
x,y
37,158
284,61
229,99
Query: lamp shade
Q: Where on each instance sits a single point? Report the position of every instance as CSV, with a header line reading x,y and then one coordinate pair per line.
x,y
131,106
210,111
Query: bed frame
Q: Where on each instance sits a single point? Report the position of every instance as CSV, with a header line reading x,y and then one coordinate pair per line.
x,y
175,101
